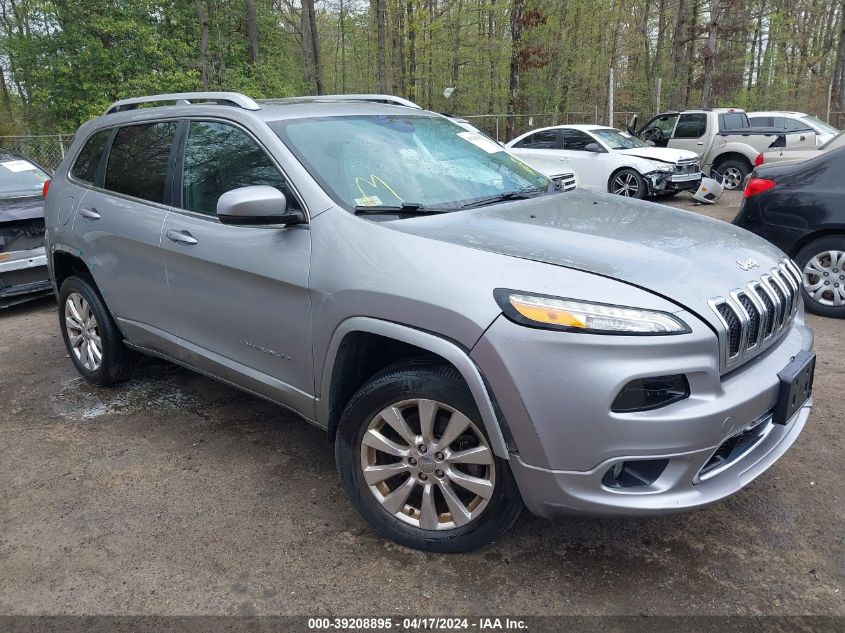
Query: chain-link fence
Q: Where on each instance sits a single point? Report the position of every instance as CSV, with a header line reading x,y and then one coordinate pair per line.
x,y
47,150
496,125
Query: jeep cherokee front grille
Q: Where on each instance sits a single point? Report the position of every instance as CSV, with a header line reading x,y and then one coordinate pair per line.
x,y
755,316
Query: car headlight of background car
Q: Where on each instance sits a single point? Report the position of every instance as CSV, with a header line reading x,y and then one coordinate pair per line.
x,y
572,315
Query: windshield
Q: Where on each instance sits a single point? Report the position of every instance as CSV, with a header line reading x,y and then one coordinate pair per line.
x,y
391,160
19,177
818,123
615,139
835,142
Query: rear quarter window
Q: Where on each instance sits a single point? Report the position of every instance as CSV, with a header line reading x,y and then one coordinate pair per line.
x,y
85,167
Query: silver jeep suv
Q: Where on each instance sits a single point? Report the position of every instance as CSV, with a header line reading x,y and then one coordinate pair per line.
x,y
471,338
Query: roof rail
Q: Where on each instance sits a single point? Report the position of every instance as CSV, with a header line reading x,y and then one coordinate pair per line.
x,y
374,98
235,99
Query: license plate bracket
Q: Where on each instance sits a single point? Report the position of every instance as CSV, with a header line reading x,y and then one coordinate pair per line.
x,y
796,386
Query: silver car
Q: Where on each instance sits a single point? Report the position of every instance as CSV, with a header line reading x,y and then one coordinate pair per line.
x,y
471,338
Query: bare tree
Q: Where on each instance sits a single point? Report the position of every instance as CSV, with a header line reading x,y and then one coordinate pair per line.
x,y
252,31
839,67
412,51
202,57
311,47
710,53
517,10
677,98
381,29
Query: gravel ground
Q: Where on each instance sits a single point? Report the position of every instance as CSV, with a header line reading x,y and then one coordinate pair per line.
x,y
177,495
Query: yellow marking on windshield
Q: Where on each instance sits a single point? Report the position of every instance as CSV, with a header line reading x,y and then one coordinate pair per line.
x,y
372,182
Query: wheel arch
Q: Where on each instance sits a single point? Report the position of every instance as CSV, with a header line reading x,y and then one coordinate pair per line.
x,y
362,346
834,231
732,155
64,262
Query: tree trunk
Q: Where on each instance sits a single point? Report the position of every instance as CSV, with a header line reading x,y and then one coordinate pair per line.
x,y
315,43
202,61
710,54
412,51
7,101
380,61
307,47
491,43
398,48
839,67
516,49
342,27
679,58
252,31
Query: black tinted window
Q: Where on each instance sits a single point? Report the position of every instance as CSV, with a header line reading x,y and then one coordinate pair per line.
x,y
733,120
547,139
761,121
85,167
576,140
691,126
138,160
219,158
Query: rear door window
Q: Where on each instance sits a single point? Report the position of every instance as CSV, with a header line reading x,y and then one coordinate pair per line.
x,y
733,121
138,160
546,139
85,167
221,157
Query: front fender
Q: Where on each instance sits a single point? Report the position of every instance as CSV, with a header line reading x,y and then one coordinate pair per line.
x,y
444,348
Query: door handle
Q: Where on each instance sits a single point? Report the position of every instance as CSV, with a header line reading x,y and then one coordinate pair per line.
x,y
181,237
89,214
803,138
700,143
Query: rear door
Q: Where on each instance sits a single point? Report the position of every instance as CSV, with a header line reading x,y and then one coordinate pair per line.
x,y
542,150
118,227
238,293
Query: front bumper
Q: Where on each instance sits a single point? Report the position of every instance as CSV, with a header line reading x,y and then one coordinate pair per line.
x,y
668,181
23,276
555,391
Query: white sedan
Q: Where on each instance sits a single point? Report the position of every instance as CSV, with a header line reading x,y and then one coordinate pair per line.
x,y
605,159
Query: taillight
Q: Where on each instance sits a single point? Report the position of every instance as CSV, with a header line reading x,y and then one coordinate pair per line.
x,y
45,189
759,160
757,185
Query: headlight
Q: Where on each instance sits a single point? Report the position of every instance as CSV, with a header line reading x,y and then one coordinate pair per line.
x,y
662,166
578,316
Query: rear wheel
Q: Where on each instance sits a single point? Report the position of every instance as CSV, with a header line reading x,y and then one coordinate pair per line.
x,y
91,337
822,264
733,172
627,182
414,459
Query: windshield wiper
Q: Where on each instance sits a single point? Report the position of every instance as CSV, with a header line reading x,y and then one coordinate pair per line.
x,y
503,197
405,207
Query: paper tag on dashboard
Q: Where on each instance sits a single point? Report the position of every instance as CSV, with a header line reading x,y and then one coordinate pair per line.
x,y
18,165
479,140
368,201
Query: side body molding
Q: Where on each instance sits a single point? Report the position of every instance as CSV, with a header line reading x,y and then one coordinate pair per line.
x,y
425,340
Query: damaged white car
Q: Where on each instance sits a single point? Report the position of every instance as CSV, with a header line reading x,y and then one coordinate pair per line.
x,y
606,159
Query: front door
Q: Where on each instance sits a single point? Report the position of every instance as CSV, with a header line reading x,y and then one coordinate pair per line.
x,y
592,168
239,294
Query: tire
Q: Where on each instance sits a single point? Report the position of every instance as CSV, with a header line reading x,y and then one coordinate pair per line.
x,y
821,292
404,392
88,327
734,172
667,194
627,182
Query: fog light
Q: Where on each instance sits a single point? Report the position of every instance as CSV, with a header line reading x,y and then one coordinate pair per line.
x,y
644,394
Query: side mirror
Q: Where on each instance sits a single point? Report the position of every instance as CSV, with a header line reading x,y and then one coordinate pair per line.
x,y
259,204
592,147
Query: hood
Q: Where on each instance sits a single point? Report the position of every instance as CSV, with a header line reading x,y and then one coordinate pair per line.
x,y
665,154
680,255
24,208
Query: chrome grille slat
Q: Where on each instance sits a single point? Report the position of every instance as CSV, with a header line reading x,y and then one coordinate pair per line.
x,y
754,317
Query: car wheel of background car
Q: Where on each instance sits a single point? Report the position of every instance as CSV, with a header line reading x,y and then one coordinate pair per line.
x,y
93,341
822,264
414,459
733,172
628,183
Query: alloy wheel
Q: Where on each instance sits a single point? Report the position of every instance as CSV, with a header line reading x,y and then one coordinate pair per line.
x,y
626,184
428,464
732,178
824,278
83,334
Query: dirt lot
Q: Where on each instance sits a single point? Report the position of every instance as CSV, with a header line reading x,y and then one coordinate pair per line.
x,y
177,495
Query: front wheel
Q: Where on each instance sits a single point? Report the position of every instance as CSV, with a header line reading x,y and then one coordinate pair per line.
x,y
733,173
627,182
416,463
822,264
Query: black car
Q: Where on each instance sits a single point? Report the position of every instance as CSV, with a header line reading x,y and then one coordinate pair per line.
x,y
23,263
800,207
